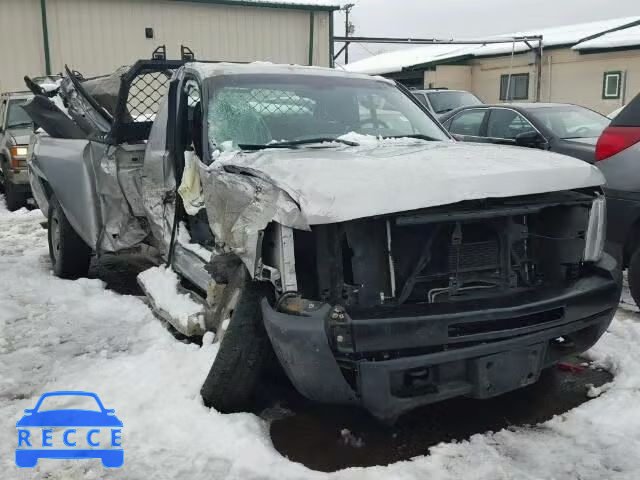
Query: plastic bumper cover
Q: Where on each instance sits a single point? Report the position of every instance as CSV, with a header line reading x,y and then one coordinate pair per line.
x,y
478,365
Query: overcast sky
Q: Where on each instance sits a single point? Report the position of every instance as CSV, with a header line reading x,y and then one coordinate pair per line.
x,y
470,18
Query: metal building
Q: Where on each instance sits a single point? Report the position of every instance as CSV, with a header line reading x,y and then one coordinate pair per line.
x,y
96,36
594,64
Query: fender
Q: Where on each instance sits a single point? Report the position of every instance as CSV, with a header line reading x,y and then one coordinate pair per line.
x,y
66,165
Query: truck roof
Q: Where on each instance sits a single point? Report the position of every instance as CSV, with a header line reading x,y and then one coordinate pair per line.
x,y
207,70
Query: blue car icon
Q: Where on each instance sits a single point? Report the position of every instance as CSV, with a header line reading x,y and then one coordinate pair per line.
x,y
34,418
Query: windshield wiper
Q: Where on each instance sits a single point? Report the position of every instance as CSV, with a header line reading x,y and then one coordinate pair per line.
x,y
296,143
419,136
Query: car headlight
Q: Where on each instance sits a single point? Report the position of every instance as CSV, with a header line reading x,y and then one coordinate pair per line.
x,y
596,230
19,151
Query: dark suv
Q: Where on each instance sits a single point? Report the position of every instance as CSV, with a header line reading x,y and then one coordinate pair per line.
x,y
618,157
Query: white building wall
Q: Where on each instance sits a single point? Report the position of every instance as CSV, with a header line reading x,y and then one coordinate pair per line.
x,y
97,36
21,46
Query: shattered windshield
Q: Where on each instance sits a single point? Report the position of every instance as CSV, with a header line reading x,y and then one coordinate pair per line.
x,y
17,117
266,109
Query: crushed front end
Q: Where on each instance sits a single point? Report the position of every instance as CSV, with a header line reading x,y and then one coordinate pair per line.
x,y
472,299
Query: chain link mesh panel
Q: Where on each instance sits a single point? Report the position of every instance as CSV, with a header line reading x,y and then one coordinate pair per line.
x,y
145,95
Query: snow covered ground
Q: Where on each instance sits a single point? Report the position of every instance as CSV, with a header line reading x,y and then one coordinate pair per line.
x,y
63,335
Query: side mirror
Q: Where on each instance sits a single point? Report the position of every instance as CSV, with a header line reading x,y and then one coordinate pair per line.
x,y
109,411
28,410
531,139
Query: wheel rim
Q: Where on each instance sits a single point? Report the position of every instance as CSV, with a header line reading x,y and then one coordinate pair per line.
x,y
54,230
226,314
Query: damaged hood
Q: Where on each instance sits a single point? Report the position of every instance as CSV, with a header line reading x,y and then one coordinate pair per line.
x,y
339,183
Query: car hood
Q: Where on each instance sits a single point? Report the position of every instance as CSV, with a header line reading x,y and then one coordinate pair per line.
x,y
336,184
69,418
21,135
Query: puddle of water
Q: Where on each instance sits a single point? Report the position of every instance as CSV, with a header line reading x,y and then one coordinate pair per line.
x,y
332,438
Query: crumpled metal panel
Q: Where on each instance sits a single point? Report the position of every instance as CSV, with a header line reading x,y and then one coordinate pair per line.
x,y
93,191
342,183
240,206
85,116
105,89
158,182
121,228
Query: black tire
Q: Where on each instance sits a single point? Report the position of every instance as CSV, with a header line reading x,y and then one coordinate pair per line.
x,y
14,199
69,254
633,275
244,351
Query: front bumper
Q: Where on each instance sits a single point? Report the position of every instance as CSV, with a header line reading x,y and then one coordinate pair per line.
x,y
399,363
20,179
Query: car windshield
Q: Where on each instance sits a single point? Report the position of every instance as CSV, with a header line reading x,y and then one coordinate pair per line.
x,y
445,101
73,402
16,116
571,121
266,109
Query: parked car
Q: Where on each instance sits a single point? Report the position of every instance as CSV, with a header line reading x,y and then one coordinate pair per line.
x,y
562,128
386,265
15,129
441,100
618,157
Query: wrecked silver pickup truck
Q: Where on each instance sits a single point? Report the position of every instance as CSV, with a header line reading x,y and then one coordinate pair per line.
x,y
327,217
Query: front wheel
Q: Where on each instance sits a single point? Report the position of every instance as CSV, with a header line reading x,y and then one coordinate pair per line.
x,y
244,349
69,254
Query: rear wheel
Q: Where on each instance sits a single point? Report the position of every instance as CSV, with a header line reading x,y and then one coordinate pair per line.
x,y
69,254
244,346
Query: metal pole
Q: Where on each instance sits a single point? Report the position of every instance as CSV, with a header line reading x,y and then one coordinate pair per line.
x,y
539,51
45,36
347,11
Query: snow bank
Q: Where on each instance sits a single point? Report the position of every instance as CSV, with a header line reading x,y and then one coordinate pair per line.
x,y
75,335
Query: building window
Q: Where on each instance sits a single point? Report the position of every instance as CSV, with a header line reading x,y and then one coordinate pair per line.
x,y
611,85
518,87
